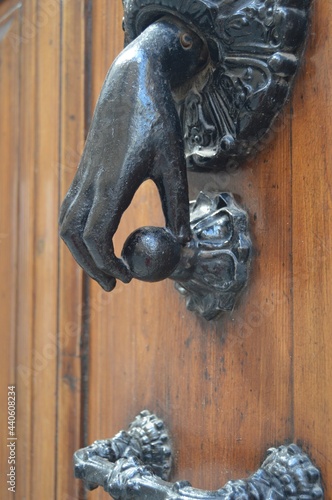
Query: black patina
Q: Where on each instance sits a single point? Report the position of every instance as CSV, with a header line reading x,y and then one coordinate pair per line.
x,y
199,83
135,464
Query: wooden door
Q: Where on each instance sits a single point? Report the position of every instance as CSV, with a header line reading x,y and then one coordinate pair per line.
x,y
85,362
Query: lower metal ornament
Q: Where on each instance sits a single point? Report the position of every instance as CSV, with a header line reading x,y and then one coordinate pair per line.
x,y
135,464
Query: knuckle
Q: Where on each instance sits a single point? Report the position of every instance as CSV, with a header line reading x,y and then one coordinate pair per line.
x,y
89,237
106,268
108,264
65,232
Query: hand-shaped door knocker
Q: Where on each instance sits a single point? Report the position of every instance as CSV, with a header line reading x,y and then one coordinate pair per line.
x,y
199,83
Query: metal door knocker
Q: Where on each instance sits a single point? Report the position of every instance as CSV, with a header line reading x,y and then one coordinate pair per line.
x,y
199,82
136,464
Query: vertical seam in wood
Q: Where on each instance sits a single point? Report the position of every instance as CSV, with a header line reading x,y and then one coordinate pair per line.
x,y
18,206
34,260
88,64
57,392
19,156
85,325
84,354
291,281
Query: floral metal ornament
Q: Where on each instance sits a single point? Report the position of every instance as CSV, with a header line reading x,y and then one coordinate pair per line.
x,y
255,48
215,264
136,465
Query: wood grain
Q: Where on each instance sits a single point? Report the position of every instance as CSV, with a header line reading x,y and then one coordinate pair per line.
x,y
312,246
71,306
227,390
46,30
42,83
224,400
26,255
9,175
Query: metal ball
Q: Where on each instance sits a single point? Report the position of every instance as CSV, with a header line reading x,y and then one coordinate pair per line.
x,y
151,253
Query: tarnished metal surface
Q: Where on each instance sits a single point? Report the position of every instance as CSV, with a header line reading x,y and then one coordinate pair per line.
x,y
199,83
255,47
215,264
135,135
135,464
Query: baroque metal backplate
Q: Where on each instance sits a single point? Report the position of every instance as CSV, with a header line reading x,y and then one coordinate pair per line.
x,y
212,268
135,465
255,47
215,264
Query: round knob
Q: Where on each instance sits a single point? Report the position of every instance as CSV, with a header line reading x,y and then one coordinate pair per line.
x,y
151,253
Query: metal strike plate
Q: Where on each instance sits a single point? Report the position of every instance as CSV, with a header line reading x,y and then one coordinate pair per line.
x,y
136,465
